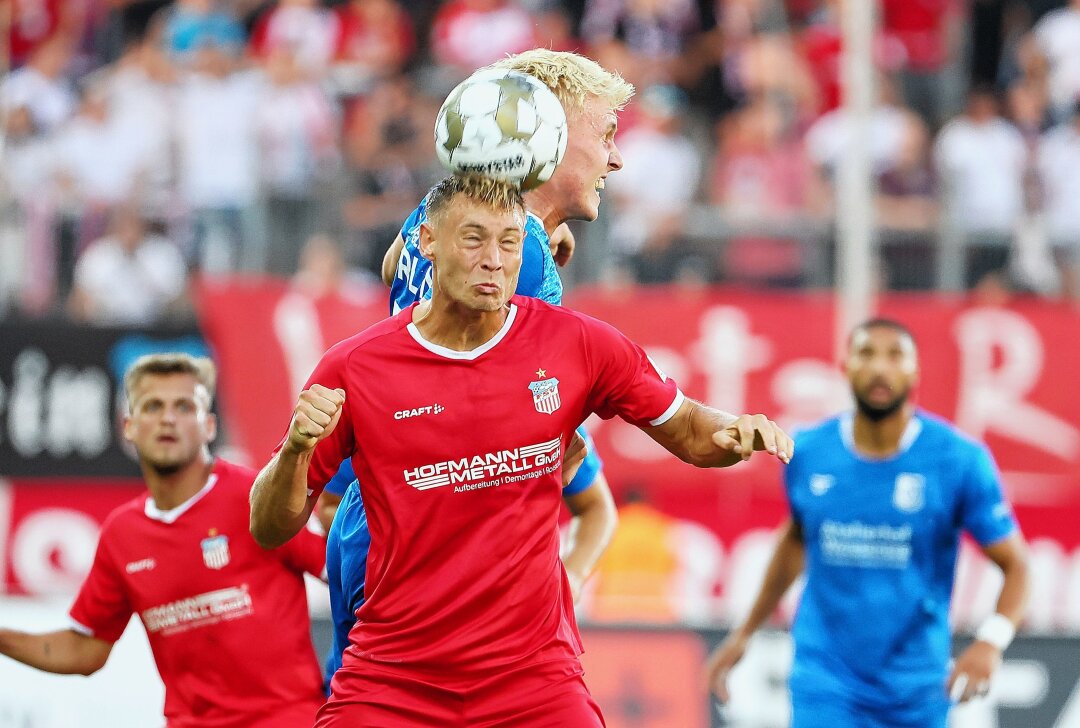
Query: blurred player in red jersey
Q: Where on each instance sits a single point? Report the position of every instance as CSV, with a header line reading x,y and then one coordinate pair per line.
x,y
227,619
456,413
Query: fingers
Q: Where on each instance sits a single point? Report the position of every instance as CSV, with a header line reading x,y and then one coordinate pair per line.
x,y
317,412
958,687
755,432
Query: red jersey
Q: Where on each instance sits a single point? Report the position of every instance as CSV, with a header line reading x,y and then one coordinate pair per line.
x,y
459,457
227,620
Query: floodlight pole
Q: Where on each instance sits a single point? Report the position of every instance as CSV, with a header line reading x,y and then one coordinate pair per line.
x,y
854,207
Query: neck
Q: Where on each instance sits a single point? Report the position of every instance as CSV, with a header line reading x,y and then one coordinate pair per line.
x,y
174,489
541,205
454,326
881,438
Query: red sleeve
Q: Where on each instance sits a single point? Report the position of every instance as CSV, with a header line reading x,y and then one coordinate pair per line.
x,y
101,609
304,552
330,372
625,381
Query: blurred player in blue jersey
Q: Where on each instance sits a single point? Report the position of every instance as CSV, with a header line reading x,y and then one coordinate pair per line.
x,y
878,499
591,97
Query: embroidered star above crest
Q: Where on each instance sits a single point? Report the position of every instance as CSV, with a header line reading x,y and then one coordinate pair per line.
x,y
541,373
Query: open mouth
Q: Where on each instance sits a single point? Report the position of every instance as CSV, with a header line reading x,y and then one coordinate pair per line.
x,y
599,184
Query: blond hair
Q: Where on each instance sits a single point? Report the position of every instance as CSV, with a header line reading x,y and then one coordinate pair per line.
x,y
492,193
201,368
573,78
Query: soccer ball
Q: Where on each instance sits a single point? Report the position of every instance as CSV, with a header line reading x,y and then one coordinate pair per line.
x,y
503,125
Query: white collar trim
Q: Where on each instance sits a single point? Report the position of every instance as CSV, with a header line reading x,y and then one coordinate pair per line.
x,y
847,434
170,516
466,355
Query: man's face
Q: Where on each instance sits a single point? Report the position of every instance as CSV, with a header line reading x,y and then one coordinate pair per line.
x,y
476,253
170,421
882,367
590,156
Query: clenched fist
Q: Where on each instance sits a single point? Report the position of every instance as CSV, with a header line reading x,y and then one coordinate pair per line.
x,y
315,416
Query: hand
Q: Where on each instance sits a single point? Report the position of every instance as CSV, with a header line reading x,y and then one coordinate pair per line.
x,y
722,660
315,416
755,432
562,245
971,673
573,458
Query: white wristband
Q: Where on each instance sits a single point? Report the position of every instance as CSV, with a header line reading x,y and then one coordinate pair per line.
x,y
997,630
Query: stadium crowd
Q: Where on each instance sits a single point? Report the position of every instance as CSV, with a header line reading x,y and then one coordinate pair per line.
x,y
144,141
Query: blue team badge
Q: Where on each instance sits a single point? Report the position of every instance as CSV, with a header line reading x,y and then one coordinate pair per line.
x,y
215,550
545,394
909,492
820,484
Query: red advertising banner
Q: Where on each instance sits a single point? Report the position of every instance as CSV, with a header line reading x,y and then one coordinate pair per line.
x,y
1006,375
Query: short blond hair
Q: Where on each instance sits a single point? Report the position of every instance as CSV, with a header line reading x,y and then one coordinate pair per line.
x,y
200,367
493,193
573,78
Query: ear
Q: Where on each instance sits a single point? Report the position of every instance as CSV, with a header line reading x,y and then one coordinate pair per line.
x,y
129,428
211,427
427,241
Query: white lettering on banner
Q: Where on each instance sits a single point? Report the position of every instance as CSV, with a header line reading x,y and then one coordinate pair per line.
x,y
65,412
296,326
52,550
726,353
1001,361
198,611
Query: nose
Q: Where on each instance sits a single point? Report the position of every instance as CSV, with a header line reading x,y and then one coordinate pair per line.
x,y
491,259
614,161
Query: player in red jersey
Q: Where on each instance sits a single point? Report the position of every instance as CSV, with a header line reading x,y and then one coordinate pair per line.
x,y
227,619
456,413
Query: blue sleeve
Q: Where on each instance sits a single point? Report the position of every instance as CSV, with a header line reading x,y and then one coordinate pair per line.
x,y
985,513
590,468
532,266
414,219
341,479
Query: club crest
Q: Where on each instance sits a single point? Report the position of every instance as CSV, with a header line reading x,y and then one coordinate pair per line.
x,y
909,492
215,551
546,395
820,484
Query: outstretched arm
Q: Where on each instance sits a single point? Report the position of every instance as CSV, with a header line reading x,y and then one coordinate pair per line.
x,y
708,438
591,528
66,652
784,567
971,673
280,504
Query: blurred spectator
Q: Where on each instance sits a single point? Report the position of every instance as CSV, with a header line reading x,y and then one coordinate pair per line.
x,y
300,27
643,39
129,278
189,25
297,131
31,24
906,206
1057,36
41,86
925,31
761,178
555,27
375,40
218,159
1059,171
323,274
467,34
981,159
391,165
651,195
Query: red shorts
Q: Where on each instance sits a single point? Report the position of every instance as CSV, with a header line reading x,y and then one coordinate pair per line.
x,y
549,694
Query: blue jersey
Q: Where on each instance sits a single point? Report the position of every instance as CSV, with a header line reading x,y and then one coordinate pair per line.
x,y
881,539
348,541
539,276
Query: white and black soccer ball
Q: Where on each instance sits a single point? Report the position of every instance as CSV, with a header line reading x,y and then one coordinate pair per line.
x,y
503,125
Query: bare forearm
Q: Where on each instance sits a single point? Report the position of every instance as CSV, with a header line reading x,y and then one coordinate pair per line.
x,y
65,652
590,532
1012,601
701,449
784,567
280,505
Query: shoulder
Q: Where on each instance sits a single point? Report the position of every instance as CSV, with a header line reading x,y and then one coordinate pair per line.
x,y
816,441
233,475
122,518
372,335
943,436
